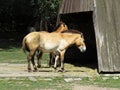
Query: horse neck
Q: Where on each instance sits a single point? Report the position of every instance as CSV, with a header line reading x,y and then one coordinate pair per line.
x,y
58,30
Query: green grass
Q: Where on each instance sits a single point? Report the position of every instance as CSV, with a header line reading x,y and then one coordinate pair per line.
x,y
26,84
11,52
110,82
99,81
56,83
16,55
13,55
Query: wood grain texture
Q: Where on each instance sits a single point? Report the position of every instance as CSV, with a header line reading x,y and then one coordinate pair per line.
x,y
106,18
107,35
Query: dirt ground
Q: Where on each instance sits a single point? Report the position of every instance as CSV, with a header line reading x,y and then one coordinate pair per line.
x,y
20,70
92,88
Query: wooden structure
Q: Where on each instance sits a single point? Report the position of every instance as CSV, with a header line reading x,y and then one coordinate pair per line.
x,y
99,20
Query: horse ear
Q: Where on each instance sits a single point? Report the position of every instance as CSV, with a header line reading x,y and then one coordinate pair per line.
x,y
82,35
61,22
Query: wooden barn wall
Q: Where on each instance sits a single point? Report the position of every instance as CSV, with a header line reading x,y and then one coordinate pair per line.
x,y
107,28
72,6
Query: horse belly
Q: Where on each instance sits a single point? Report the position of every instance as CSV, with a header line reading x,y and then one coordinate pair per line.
x,y
49,47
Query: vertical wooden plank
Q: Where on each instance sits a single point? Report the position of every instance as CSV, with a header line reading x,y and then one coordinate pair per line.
x,y
106,33
100,37
116,22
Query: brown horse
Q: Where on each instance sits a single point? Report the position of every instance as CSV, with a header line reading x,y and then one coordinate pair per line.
x,y
61,27
53,56
51,42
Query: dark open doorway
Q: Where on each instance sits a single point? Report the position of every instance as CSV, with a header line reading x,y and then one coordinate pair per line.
x,y
83,22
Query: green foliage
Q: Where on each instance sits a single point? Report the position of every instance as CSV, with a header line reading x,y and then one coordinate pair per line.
x,y
16,15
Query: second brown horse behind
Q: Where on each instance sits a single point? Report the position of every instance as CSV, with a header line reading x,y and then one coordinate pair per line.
x,y
53,56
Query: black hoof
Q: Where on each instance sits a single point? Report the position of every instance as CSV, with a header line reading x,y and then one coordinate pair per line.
x,y
39,66
29,69
50,66
60,70
55,68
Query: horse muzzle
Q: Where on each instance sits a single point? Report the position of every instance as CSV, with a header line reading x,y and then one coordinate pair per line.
x,y
82,48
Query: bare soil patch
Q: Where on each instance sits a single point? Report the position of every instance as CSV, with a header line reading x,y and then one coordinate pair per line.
x,y
20,70
92,88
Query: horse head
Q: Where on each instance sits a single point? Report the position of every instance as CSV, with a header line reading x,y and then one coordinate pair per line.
x,y
80,42
61,27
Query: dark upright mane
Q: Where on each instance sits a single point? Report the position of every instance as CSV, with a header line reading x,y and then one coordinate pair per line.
x,y
73,31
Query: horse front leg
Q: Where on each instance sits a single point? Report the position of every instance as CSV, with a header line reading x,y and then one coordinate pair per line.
x,y
56,60
62,54
51,59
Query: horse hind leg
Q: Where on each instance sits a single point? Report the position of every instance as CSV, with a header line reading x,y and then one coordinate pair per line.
x,y
31,58
29,66
52,59
39,56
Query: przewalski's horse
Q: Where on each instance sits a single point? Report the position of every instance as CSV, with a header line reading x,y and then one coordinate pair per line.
x,y
52,55
61,27
51,42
